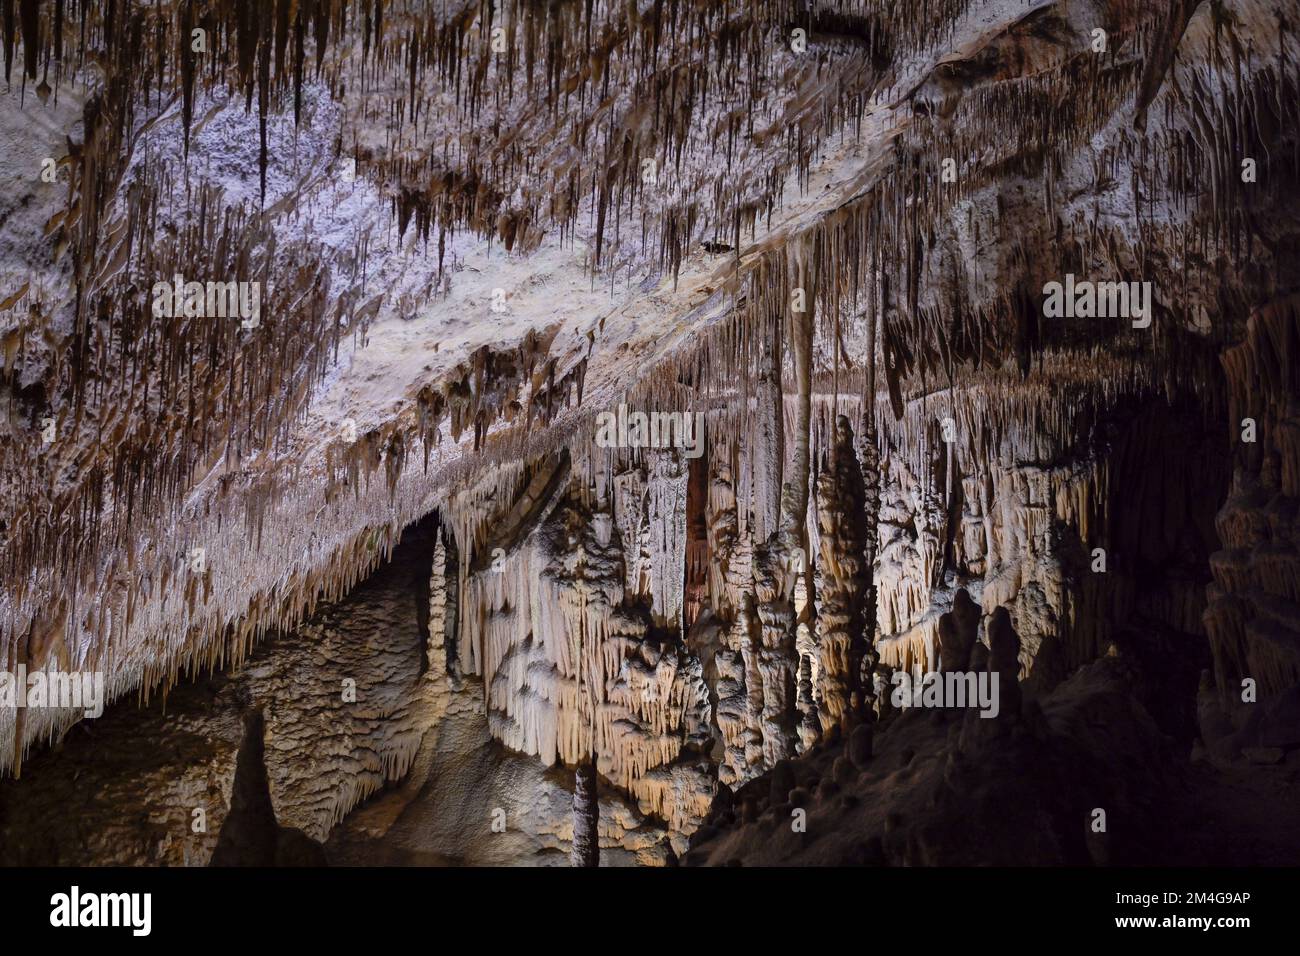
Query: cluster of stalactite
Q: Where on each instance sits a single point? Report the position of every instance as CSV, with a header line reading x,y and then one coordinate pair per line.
x,y
1077,507
172,395
883,238
573,604
622,83
573,666
521,386
580,582
898,247
626,86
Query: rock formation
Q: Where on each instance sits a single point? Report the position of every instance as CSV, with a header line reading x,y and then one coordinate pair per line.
x,y
587,432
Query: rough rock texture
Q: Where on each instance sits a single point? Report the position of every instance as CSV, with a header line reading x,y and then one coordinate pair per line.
x,y
249,834
128,784
471,801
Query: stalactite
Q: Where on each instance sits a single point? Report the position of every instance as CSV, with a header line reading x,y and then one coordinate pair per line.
x,y
551,618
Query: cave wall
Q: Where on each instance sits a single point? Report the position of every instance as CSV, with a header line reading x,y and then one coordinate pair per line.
x,y
345,701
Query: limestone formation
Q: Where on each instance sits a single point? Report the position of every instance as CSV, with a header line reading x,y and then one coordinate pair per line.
x,y
499,432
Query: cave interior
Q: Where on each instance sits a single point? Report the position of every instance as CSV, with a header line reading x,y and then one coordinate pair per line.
x,y
609,433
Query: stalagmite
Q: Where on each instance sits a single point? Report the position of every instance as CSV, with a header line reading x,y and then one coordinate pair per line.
x,y
841,619
1004,660
586,811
